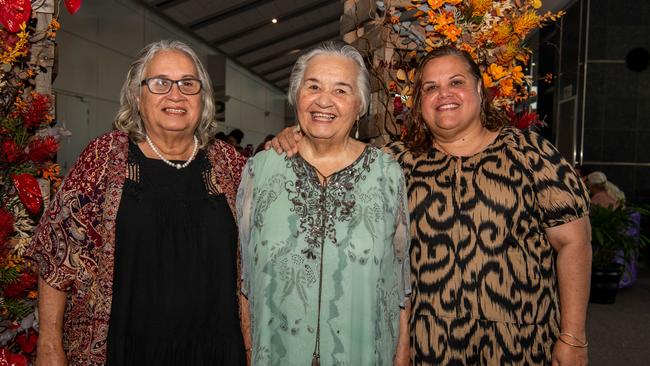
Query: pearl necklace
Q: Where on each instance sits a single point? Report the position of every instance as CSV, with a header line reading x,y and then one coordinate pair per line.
x,y
175,165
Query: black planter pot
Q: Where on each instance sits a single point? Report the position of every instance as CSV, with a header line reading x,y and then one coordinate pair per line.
x,y
604,285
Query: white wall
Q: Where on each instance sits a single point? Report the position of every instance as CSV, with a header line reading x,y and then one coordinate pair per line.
x,y
96,47
253,106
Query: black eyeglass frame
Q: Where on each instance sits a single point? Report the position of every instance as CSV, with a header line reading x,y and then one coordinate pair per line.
x,y
177,82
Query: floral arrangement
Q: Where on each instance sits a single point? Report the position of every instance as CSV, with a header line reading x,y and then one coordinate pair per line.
x,y
491,31
28,144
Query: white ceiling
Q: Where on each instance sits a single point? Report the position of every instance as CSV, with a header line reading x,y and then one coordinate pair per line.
x,y
242,29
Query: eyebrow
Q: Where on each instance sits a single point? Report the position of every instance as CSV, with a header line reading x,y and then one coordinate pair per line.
x,y
451,77
338,83
165,76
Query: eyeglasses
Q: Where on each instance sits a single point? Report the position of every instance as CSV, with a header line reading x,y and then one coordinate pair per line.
x,y
163,85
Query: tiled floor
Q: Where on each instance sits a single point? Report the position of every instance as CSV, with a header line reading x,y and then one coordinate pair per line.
x,y
619,334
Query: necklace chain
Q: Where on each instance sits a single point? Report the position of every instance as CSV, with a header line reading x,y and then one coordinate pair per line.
x,y
175,165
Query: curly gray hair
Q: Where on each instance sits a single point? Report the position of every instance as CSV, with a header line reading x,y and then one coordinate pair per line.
x,y
337,49
128,116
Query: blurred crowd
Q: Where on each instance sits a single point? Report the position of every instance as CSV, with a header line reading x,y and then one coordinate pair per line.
x,y
235,138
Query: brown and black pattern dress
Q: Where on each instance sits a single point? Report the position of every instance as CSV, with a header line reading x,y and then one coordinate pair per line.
x,y
483,272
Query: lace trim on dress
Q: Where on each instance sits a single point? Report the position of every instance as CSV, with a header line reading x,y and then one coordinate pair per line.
x,y
134,181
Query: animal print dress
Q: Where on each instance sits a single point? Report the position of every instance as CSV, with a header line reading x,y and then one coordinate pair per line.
x,y
482,270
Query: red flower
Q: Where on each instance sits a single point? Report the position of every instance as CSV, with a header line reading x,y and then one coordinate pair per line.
x,y
27,341
11,152
41,150
10,359
17,289
14,13
6,225
398,107
524,120
37,111
72,5
29,192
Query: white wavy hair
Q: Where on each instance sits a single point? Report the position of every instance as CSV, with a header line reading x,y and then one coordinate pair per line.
x,y
336,49
128,116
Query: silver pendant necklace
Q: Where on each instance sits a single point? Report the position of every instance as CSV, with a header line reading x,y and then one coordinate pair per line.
x,y
175,165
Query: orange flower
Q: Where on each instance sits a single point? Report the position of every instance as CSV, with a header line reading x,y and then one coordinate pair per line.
x,y
451,31
523,57
517,74
54,24
52,172
501,33
523,24
496,72
506,89
469,49
442,19
435,4
480,7
487,80
19,105
507,53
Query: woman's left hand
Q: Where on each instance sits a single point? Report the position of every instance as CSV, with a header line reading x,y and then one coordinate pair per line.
x,y
565,355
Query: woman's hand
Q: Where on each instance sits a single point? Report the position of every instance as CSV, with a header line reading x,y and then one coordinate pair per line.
x,y
565,355
285,141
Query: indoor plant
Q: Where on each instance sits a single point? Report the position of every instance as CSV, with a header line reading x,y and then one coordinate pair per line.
x,y
611,238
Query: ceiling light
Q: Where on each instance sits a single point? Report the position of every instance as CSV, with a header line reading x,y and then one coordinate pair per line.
x,y
274,20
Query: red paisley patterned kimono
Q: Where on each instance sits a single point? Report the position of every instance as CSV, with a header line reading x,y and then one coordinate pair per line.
x,y
75,240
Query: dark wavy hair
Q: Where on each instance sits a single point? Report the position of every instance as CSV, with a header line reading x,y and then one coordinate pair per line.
x,y
419,139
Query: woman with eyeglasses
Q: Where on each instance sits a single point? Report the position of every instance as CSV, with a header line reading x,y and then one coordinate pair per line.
x,y
138,250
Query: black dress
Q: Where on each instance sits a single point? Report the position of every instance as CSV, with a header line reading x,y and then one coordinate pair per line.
x,y
174,289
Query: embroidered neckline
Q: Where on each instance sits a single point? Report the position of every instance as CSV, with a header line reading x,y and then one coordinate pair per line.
x,y
320,206
313,172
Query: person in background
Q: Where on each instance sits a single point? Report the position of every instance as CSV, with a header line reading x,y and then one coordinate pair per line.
x,y
603,192
235,138
500,249
248,151
220,136
324,234
138,249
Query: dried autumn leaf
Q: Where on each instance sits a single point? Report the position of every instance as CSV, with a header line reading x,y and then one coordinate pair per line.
x,y
401,75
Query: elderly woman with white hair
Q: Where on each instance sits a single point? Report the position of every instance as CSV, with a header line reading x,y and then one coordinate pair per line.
x,y
138,250
603,192
323,234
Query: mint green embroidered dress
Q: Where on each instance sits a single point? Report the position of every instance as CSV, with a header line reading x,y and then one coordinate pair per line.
x,y
360,218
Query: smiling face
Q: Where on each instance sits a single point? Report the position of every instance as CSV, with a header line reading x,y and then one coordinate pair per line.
x,y
451,101
328,98
173,113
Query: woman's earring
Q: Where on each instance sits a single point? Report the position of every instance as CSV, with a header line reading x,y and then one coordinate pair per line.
x,y
297,129
356,134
